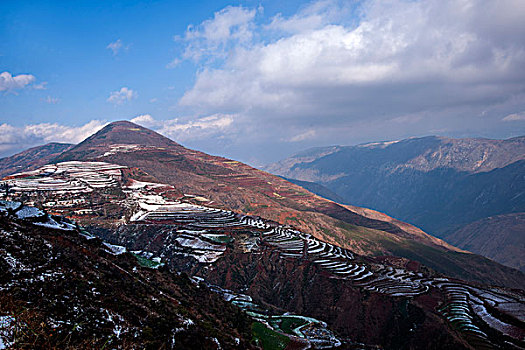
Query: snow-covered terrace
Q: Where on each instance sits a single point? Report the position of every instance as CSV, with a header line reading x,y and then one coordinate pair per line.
x,y
67,177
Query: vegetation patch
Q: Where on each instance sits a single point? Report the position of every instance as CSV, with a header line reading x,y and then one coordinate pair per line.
x,y
287,324
144,262
267,338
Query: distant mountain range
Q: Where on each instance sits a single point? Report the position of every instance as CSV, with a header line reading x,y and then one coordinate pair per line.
x,y
436,183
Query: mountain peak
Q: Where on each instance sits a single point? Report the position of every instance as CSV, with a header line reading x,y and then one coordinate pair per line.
x,y
121,133
124,124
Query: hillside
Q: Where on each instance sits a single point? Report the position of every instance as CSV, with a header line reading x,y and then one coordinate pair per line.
x,y
230,184
32,158
224,183
318,189
62,288
501,238
435,183
299,291
115,138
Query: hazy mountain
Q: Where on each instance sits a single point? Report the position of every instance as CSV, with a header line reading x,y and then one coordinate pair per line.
x,y
438,184
318,189
501,238
32,158
422,154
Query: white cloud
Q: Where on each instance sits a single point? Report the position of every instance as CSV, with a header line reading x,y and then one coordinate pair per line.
x,y
514,117
184,129
314,16
14,139
41,86
210,40
7,134
117,46
328,67
54,132
9,82
51,100
310,134
120,96
145,120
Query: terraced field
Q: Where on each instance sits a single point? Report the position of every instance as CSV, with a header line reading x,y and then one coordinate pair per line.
x,y
306,331
477,312
67,177
183,234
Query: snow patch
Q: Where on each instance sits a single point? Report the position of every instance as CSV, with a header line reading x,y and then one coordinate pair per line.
x,y
115,249
7,325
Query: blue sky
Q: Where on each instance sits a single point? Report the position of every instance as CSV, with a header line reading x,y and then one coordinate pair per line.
x,y
259,80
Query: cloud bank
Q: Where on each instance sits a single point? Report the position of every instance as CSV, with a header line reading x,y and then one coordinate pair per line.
x,y
8,82
182,129
121,96
13,139
335,70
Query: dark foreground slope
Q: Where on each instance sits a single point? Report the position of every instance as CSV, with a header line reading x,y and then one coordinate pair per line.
x,y
62,289
435,183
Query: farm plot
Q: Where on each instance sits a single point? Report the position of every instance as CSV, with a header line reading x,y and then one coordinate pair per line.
x,y
313,331
468,309
67,178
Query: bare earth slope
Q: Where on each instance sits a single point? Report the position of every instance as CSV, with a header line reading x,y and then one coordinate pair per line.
x,y
63,289
501,238
32,158
311,291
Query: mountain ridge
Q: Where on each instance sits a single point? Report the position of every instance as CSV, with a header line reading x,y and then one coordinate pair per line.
x,y
96,145
421,180
474,150
120,133
31,158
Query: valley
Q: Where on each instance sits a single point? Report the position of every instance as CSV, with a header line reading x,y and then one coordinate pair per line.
x,y
441,185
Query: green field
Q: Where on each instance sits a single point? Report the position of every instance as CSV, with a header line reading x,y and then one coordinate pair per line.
x,y
287,324
268,339
145,262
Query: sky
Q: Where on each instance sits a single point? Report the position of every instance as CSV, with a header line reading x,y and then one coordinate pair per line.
x,y
257,81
